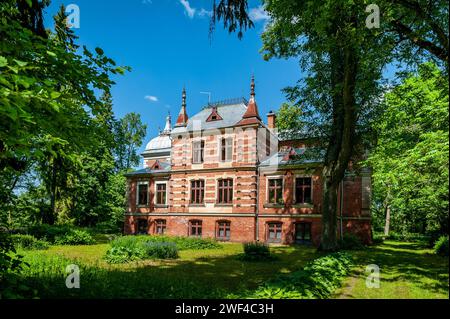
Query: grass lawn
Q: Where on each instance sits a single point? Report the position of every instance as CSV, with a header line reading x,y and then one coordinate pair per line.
x,y
407,271
208,273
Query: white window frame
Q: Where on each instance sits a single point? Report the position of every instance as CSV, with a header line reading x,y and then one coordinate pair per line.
x,y
295,190
202,152
220,149
156,192
282,188
137,193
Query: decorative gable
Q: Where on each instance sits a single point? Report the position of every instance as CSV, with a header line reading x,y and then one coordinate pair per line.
x,y
156,165
214,116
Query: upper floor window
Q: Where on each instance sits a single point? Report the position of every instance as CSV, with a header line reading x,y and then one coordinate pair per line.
x,y
223,230
142,193
275,189
274,232
197,191
161,193
225,191
198,148
226,149
195,228
160,226
303,190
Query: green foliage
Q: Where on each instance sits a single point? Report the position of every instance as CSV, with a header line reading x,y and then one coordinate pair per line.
x,y
75,237
317,280
441,246
29,242
351,242
161,250
410,161
256,251
12,265
48,232
289,121
131,248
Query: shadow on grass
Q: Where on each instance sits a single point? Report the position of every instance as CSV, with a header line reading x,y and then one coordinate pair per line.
x,y
405,262
201,277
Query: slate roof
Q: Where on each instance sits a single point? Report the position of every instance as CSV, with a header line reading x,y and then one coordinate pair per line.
x,y
231,114
165,168
299,156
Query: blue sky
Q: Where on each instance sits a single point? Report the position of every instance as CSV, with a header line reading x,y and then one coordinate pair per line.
x,y
166,44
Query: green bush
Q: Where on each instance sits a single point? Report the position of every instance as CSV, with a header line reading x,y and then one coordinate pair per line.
x,y
255,251
29,242
75,237
317,280
131,248
161,250
441,246
378,238
48,232
351,242
409,237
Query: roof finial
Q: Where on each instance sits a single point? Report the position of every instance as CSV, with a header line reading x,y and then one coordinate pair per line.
x,y
183,97
252,88
182,116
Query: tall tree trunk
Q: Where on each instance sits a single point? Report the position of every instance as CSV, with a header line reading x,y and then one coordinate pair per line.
x,y
387,221
344,62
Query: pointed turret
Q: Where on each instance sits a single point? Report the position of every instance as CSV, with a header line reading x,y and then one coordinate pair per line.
x,y
182,117
251,115
168,127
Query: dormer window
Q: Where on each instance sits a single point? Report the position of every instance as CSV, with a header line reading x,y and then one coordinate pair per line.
x,y
214,116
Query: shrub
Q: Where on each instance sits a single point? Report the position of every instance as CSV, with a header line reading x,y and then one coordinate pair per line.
x,y
318,279
129,248
378,238
161,250
441,246
255,251
120,254
409,237
48,232
351,242
29,242
75,237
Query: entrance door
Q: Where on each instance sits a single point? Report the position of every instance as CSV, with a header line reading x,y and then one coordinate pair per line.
x,y
142,226
303,233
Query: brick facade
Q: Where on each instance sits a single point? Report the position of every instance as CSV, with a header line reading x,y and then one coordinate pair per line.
x,y
249,215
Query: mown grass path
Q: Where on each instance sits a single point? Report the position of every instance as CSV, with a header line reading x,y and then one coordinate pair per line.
x,y
407,271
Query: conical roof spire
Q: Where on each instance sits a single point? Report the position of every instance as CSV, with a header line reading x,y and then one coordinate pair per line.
x,y
182,116
168,127
251,115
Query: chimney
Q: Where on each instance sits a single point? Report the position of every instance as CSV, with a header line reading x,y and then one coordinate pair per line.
x,y
271,120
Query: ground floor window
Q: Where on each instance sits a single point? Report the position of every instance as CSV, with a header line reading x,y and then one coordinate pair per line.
x,y
195,228
160,226
274,232
142,226
303,233
223,230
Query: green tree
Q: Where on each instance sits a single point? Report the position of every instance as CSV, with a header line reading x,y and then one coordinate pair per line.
x,y
289,120
129,133
411,158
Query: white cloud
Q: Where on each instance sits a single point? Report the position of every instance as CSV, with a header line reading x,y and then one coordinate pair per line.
x,y
203,12
187,7
151,98
258,14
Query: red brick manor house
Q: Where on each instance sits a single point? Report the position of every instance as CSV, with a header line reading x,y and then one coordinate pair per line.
x,y
224,173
